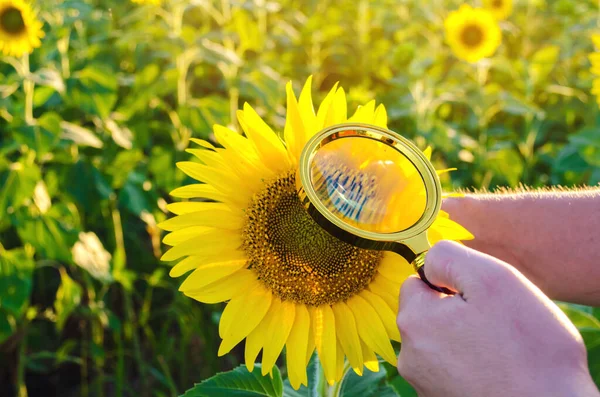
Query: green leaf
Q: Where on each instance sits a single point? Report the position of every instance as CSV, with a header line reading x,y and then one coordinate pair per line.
x,y
586,323
370,384
42,137
7,326
542,63
68,297
122,165
396,382
506,163
569,159
587,142
16,271
17,185
50,237
94,190
239,382
133,197
94,89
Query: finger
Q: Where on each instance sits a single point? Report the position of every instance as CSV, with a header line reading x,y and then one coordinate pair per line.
x,y
415,292
459,268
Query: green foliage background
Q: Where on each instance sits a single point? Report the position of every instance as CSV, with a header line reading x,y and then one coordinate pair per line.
x,y
110,101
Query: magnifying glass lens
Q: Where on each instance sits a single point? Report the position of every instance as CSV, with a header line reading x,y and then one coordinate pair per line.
x,y
368,184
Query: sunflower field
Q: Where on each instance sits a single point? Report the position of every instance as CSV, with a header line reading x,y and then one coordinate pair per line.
x,y
100,99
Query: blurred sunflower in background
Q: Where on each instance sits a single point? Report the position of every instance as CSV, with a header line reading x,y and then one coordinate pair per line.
x,y
20,30
501,9
472,33
595,69
287,281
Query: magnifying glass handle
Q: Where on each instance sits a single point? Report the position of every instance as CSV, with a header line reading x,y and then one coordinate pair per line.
x,y
419,264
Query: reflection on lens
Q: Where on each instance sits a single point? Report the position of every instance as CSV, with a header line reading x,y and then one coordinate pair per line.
x,y
368,184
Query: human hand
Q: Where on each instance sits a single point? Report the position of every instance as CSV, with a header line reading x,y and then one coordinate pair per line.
x,y
498,336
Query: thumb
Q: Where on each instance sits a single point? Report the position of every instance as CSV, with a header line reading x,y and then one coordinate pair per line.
x,y
462,269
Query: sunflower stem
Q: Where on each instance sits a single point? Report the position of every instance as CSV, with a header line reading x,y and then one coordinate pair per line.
x,y
28,87
21,385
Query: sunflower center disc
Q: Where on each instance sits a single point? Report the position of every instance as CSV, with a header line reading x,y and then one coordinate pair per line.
x,y
11,21
294,257
472,36
497,3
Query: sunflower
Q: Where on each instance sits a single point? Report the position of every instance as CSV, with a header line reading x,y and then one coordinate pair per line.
x,y
287,281
20,30
500,8
472,33
595,69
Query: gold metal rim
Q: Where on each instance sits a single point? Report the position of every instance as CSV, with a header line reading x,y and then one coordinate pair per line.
x,y
310,199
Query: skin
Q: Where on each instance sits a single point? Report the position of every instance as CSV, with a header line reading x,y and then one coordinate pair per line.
x,y
498,336
551,237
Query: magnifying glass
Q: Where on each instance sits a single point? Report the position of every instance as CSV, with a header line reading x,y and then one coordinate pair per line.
x,y
372,188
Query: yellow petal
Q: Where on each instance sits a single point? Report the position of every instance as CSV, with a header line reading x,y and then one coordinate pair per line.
x,y
323,322
251,177
339,363
388,318
381,116
596,40
241,315
394,267
203,143
277,334
226,288
387,285
427,153
444,171
272,151
347,335
241,156
181,235
186,207
199,190
371,361
444,214
217,216
294,131
233,141
297,347
208,157
208,273
257,339
390,299
213,240
307,110
337,112
311,343
449,230
446,195
371,329
221,180
364,114
324,107
192,262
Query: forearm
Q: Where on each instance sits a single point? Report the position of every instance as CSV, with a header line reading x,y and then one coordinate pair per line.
x,y
553,238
